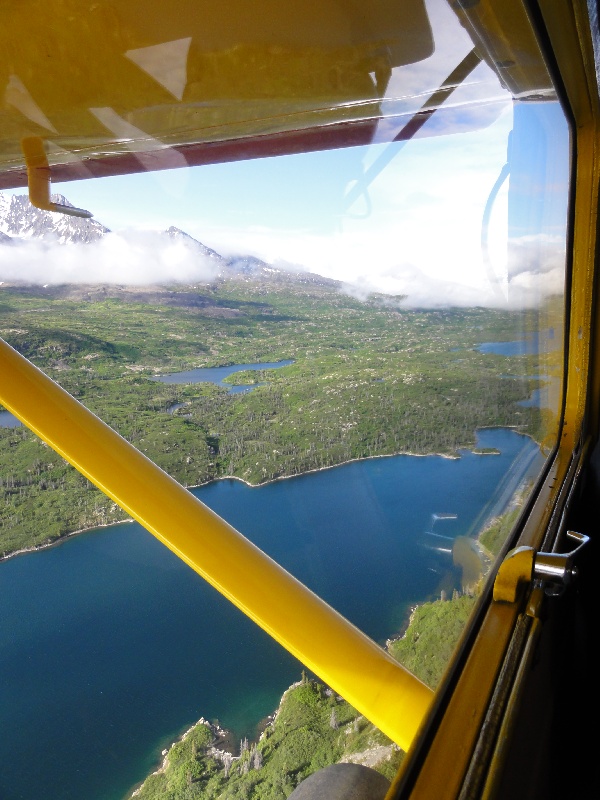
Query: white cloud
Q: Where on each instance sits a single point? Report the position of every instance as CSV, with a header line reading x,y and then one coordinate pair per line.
x,y
541,255
418,228
420,290
535,271
129,257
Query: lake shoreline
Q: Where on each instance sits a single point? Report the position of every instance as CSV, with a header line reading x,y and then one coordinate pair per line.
x,y
64,537
39,548
401,633
222,737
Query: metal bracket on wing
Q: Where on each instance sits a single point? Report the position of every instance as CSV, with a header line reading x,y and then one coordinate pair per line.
x,y
39,180
523,565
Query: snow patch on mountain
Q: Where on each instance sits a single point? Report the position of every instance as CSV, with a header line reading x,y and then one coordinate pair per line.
x,y
91,254
20,220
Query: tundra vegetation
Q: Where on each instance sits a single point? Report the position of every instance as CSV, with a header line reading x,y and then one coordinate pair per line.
x,y
368,379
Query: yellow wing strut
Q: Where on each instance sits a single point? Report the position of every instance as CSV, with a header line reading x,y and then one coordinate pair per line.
x,y
344,657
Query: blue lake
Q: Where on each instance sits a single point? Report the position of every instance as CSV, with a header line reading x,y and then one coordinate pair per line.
x,y
219,374
201,375
523,347
110,646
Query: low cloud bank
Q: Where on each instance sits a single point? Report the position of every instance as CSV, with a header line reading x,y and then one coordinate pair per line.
x,y
130,258
533,271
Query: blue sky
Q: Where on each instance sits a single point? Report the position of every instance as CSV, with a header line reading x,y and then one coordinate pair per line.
x,y
303,192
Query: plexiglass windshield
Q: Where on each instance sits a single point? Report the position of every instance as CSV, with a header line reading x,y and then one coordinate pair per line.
x,y
351,351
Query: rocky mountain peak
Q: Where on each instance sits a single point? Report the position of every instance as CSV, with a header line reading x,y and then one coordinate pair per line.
x,y
249,265
20,220
178,235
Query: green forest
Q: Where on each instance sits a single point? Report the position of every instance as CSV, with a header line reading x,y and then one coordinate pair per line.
x,y
368,379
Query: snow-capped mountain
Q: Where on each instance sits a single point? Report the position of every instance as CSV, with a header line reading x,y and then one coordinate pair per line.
x,y
20,220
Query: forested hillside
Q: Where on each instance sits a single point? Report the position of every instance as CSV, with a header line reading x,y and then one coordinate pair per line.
x,y
368,379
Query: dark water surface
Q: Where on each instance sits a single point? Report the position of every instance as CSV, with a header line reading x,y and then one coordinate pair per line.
x,y
110,646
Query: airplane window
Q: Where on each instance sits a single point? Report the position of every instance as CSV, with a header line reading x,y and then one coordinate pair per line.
x,y
352,353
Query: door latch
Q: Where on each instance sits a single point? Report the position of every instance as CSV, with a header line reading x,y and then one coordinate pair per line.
x,y
524,565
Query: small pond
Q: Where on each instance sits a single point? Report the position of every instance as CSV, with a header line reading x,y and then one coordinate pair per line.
x,y
218,375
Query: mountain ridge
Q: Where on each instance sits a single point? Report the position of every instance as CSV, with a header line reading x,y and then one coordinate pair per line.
x,y
21,222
